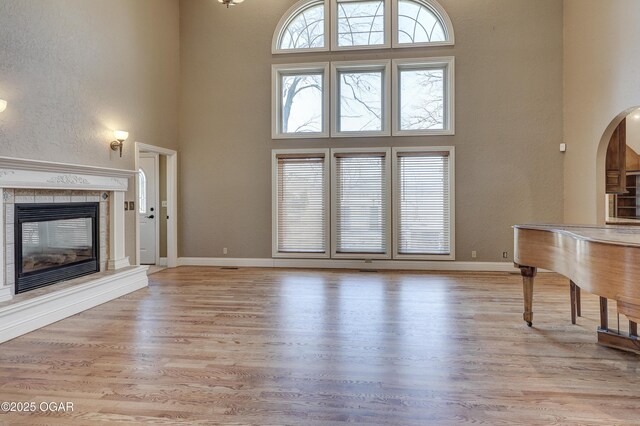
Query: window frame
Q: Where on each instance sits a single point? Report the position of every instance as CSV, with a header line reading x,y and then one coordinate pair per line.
x,y
274,203
362,66
276,99
334,204
437,10
448,64
290,15
396,203
388,12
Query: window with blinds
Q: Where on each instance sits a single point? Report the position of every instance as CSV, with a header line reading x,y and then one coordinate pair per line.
x,y
301,204
423,209
361,203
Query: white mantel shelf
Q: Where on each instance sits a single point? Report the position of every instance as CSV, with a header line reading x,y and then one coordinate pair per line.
x,y
35,174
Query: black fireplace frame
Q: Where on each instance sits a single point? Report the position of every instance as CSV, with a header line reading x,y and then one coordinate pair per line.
x,y
48,212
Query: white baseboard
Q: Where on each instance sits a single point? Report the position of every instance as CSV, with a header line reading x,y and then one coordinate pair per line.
x,y
23,317
163,261
348,264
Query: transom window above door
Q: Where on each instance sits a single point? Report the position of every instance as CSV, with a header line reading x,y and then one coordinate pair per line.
x,y
317,25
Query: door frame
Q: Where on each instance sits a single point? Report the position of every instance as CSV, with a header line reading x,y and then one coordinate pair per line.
x,y
156,190
172,201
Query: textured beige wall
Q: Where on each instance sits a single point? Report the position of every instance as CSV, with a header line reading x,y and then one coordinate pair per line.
x,y
75,70
508,112
601,68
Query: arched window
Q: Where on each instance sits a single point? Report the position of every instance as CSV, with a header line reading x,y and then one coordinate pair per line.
x,y
142,192
322,25
422,23
302,28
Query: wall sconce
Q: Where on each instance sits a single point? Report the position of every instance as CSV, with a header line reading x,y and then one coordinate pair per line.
x,y
3,105
121,136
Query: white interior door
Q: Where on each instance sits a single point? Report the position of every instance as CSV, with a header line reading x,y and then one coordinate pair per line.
x,y
148,209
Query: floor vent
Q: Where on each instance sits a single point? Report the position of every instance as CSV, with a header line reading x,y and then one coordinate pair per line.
x,y
369,271
230,268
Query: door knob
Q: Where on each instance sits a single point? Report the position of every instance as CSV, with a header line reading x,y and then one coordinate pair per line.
x,y
150,217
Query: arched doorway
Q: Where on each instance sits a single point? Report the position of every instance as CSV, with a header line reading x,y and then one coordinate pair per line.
x,y
618,169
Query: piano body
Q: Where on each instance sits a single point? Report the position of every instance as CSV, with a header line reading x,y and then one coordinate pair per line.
x,y
604,260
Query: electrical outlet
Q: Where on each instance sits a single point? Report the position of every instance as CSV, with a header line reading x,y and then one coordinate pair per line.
x,y
164,204
225,251
474,254
505,254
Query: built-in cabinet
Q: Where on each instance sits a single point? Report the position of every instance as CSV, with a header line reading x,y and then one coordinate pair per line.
x,y
627,205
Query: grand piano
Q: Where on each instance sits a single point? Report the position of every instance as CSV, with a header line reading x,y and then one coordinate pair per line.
x,y
603,260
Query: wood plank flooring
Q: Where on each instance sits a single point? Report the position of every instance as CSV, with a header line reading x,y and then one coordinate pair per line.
x,y
301,347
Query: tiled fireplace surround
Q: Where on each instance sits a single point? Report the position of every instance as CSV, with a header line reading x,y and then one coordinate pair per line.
x,y
28,181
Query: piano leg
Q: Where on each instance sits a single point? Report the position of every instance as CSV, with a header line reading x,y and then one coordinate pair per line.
x,y
604,314
528,275
574,306
633,329
578,302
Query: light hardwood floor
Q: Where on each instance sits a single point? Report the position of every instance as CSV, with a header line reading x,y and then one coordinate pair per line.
x,y
299,347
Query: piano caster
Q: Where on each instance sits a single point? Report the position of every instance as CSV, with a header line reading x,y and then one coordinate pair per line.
x,y
530,324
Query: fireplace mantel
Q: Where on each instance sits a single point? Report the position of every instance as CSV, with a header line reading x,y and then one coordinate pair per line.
x,y
22,174
34,174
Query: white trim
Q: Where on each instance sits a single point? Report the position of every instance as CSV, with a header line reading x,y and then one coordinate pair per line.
x,y
373,65
6,292
24,316
155,149
334,204
440,13
392,265
293,13
163,261
116,264
277,71
47,166
172,200
452,202
158,206
274,202
448,64
334,28
62,179
117,232
228,261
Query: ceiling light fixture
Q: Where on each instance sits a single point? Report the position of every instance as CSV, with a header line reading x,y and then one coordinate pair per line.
x,y
230,2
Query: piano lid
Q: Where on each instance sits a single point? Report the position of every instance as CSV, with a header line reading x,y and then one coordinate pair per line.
x,y
610,234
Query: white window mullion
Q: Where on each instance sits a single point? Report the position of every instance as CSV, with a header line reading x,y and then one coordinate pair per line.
x,y
300,203
424,207
361,203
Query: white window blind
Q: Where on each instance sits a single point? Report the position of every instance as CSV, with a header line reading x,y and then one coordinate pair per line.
x,y
424,210
301,204
361,203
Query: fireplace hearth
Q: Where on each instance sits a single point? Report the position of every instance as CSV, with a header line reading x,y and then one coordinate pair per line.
x,y
54,243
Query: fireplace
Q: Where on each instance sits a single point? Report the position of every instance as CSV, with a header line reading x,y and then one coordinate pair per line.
x,y
54,243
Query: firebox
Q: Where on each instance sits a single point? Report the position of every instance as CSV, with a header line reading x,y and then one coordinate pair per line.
x,y
54,243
